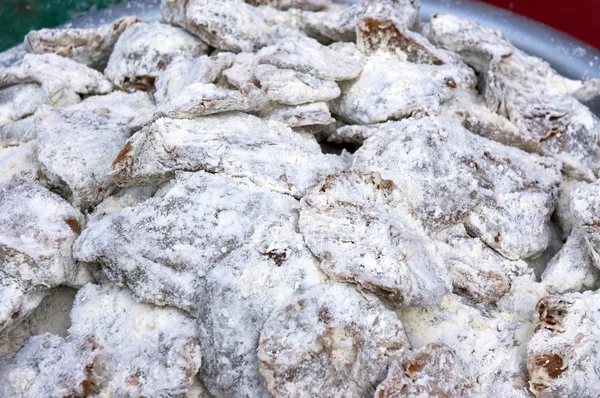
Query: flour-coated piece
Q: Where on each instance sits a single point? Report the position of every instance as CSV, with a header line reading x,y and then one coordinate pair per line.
x,y
184,72
91,47
491,347
306,55
478,45
237,144
202,218
230,25
50,366
563,355
125,197
388,89
241,72
18,132
361,228
312,114
50,316
144,50
430,371
201,99
382,35
38,230
146,350
310,5
240,294
475,269
338,22
62,80
19,101
329,340
290,87
20,160
572,268
76,145
504,195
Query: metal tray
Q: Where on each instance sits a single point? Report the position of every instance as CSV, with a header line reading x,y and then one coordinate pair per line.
x,y
567,55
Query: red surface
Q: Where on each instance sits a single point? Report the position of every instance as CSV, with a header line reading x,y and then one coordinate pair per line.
x,y
579,18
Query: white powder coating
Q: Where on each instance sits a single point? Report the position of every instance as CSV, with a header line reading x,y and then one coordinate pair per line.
x,y
313,114
18,132
491,348
50,316
477,45
475,269
183,72
361,228
269,153
19,101
330,340
91,47
62,80
338,22
311,5
572,268
164,246
239,295
201,99
562,213
563,354
76,145
38,230
146,49
290,87
125,197
307,55
448,173
146,350
230,25
19,160
50,366
431,371
388,88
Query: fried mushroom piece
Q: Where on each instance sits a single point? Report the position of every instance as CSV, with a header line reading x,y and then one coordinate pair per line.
x,y
144,50
490,347
338,22
38,230
290,87
91,47
76,145
329,340
388,88
234,143
503,195
431,371
230,25
563,353
163,247
306,55
240,294
146,350
313,114
361,228
475,269
50,366
61,79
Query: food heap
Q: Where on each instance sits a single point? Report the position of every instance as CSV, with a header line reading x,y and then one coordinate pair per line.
x,y
296,198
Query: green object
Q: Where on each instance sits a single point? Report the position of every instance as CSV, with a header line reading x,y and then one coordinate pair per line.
x,y
18,17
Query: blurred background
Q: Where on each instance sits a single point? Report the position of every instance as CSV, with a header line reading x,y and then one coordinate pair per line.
x,y
579,18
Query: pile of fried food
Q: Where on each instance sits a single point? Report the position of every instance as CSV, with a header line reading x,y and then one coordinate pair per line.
x,y
296,198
